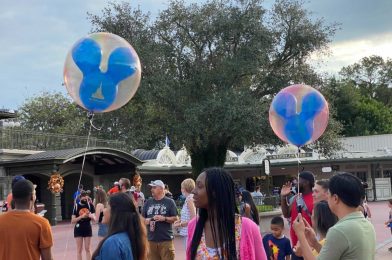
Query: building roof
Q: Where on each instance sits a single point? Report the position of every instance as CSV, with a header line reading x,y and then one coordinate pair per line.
x,y
5,113
370,143
145,155
63,156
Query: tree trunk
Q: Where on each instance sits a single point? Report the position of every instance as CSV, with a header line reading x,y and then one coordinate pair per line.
x,y
214,155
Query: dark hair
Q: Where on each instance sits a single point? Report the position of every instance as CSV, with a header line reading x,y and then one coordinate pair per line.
x,y
22,191
125,218
222,206
390,201
323,217
126,183
84,193
306,175
323,183
348,188
277,221
247,198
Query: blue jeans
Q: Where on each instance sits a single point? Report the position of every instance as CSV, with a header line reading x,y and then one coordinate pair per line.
x,y
102,230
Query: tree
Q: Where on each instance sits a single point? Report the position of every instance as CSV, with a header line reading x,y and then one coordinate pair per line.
x,y
373,76
52,113
209,74
209,69
359,113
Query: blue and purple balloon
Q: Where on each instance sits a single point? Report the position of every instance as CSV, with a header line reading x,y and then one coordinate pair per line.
x,y
299,114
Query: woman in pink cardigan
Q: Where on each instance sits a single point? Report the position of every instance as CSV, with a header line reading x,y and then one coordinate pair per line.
x,y
219,232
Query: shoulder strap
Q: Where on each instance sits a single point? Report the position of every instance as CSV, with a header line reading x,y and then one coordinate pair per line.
x,y
306,210
291,200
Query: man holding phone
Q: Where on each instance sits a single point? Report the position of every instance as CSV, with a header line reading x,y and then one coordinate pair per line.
x,y
300,203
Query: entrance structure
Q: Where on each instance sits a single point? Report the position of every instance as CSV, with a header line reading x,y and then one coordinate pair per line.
x,y
102,166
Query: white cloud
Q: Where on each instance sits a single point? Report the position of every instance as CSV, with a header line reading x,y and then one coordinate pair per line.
x,y
346,53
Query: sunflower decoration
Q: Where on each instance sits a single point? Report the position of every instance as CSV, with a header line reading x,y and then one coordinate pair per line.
x,y
56,183
137,180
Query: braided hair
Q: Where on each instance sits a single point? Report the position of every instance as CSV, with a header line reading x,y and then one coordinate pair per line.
x,y
222,207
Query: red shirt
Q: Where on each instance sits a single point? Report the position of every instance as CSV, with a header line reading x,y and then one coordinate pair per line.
x,y
113,190
306,215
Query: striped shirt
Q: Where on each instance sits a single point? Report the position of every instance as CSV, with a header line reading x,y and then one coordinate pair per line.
x,y
185,215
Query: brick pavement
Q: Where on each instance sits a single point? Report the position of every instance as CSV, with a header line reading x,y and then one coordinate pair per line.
x,y
65,247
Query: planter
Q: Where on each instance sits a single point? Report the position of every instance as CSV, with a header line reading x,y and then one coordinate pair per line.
x,y
265,219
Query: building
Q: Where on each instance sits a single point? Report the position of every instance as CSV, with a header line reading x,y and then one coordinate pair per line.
x,y
368,157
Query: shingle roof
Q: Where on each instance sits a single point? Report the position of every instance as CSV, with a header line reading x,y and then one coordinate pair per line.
x,y
68,154
55,154
145,155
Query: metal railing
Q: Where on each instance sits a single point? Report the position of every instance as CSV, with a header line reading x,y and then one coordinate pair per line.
x,y
28,140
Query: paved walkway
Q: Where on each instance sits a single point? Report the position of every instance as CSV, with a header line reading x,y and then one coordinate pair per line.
x,y
65,246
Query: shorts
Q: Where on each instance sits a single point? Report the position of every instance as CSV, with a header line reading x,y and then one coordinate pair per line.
x,y
83,230
102,230
161,250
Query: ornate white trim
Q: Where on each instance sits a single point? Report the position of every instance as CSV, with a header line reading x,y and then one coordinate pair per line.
x,y
231,157
254,155
166,157
182,157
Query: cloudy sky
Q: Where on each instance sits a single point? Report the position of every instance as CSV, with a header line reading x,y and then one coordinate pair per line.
x,y
36,36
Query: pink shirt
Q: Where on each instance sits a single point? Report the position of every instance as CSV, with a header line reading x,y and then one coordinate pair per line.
x,y
251,244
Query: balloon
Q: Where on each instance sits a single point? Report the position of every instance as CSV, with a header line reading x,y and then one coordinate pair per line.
x,y
299,114
102,72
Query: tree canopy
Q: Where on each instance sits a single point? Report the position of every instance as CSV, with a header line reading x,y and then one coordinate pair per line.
x,y
210,71
363,97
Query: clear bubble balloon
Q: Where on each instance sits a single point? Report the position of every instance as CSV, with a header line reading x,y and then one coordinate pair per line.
x,y
102,72
299,114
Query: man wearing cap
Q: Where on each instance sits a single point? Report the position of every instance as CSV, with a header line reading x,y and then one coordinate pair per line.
x,y
300,203
24,235
115,188
9,197
160,213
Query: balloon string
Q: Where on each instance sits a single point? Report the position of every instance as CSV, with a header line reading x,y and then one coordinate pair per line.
x,y
298,162
90,115
85,150
91,118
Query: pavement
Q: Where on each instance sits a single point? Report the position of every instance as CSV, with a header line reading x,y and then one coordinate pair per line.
x,y
65,246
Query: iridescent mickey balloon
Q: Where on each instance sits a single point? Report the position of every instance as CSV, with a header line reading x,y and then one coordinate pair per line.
x,y
102,72
299,114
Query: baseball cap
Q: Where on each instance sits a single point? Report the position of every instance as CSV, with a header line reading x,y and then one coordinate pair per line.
x,y
306,175
16,179
158,183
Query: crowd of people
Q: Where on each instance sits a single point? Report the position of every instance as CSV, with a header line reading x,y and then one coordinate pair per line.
x,y
327,220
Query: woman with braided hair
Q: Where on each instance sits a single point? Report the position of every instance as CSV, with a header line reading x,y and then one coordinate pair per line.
x,y
219,231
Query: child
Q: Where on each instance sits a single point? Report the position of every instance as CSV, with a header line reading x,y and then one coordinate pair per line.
x,y
389,222
276,245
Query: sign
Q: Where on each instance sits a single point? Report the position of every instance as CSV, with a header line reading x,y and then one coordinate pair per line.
x,y
267,167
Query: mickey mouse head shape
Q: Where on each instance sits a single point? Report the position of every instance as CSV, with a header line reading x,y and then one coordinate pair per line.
x,y
102,72
299,114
